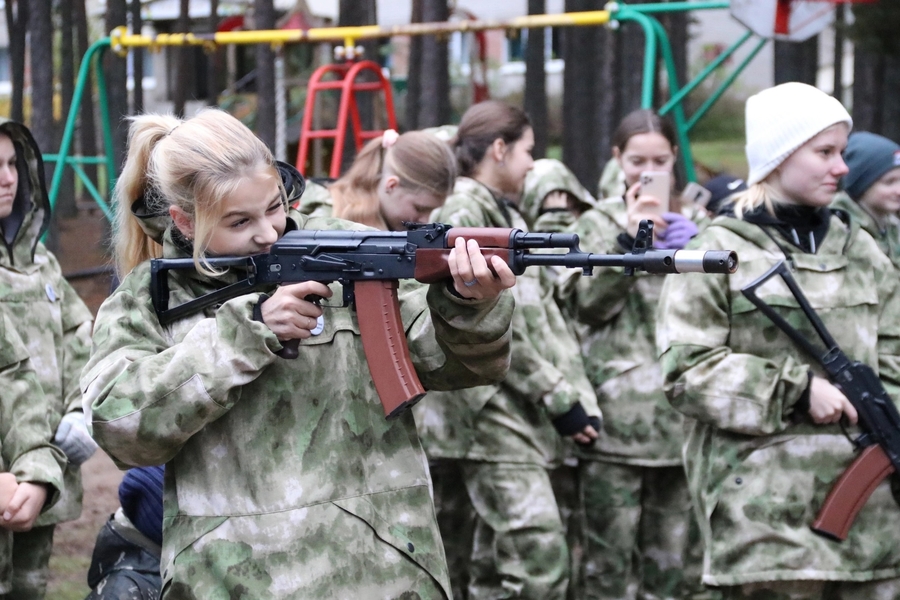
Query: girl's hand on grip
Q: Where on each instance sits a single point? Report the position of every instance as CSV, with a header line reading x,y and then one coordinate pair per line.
x,y
827,404
287,312
472,277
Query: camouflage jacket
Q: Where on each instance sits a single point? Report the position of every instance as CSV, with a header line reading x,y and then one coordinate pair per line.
x,y
25,449
758,473
510,422
48,315
273,466
887,235
618,315
315,201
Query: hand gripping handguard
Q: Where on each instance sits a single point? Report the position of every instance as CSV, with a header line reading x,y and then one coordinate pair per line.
x,y
368,265
878,417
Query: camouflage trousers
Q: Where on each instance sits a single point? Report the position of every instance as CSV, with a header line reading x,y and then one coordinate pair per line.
x,y
31,563
884,589
519,548
641,540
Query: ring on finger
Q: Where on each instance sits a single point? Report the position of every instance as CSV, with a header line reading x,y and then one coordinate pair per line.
x,y
470,283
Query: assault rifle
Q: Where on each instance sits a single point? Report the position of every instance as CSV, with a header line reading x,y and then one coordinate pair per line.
x,y
368,265
878,417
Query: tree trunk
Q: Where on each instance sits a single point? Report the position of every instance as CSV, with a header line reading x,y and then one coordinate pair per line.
x,y
414,73
797,61
890,120
264,16
87,128
868,90
17,27
840,20
65,202
40,46
434,107
182,69
359,12
116,84
213,58
137,61
580,90
536,81
630,45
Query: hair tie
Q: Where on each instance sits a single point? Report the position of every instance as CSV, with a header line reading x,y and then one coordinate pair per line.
x,y
389,138
173,129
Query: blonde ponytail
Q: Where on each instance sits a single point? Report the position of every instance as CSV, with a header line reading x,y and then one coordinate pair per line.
x,y
132,244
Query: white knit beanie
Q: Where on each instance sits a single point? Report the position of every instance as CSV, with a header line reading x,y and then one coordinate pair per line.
x,y
780,119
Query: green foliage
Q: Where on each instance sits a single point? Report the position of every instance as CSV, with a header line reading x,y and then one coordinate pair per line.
x,y
876,25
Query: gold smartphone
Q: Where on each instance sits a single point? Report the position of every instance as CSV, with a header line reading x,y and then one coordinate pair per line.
x,y
657,184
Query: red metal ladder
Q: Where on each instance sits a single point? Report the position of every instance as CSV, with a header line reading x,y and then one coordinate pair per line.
x,y
346,82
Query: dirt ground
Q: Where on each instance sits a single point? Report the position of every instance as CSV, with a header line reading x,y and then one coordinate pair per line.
x,y
81,253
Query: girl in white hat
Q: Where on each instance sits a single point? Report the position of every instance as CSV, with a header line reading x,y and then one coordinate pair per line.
x,y
764,445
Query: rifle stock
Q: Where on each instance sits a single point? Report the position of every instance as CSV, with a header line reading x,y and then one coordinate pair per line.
x,y
369,264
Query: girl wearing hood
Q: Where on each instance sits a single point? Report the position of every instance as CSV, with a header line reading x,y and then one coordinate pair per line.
x,y
764,442
55,326
283,479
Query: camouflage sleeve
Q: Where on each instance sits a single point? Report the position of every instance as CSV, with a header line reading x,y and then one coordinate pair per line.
x,y
531,375
889,330
77,322
535,378
597,299
139,386
704,379
24,426
456,343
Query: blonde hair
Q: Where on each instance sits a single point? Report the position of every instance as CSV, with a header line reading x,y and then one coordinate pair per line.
x,y
758,194
192,164
422,162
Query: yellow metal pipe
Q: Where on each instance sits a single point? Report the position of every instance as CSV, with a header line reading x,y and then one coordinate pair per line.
x,y
121,40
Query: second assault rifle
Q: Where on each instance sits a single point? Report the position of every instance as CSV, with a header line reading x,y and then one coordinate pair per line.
x,y
878,417
368,265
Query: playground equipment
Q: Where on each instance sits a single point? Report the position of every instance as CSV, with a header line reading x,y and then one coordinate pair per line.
x,y
656,46
348,83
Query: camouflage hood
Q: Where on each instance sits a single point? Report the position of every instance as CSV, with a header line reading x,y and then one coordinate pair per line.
x,y
156,222
30,216
550,175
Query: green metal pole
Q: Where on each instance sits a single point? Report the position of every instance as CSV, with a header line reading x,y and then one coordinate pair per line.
x,y
706,72
69,131
667,7
724,85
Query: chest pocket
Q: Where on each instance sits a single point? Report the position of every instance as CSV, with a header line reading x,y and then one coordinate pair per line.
x,y
842,292
827,282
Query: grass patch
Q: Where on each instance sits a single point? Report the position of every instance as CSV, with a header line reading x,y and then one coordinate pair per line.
x,y
721,156
69,580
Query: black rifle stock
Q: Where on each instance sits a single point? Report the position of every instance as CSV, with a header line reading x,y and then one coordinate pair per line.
x,y
878,416
369,264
